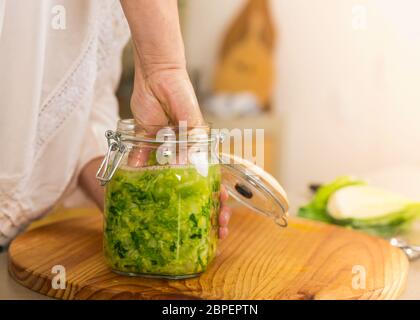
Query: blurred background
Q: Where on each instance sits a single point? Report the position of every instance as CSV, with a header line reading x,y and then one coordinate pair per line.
x,y
335,84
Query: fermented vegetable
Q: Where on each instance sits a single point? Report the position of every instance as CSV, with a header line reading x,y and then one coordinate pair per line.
x,y
162,220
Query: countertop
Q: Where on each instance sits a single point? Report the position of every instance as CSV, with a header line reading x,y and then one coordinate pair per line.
x,y
9,289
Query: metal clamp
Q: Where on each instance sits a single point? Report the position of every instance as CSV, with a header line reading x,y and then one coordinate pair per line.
x,y
116,151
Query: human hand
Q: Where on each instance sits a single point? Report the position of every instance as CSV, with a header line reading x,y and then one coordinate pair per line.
x,y
162,93
167,97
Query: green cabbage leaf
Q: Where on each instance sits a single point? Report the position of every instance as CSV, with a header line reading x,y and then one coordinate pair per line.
x,y
351,203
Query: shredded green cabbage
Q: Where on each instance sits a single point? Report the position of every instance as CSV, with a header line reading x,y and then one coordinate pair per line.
x,y
162,220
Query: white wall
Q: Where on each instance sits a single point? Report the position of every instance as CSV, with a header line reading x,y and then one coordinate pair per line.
x,y
204,26
349,99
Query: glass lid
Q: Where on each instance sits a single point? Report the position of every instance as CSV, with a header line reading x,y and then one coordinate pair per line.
x,y
255,188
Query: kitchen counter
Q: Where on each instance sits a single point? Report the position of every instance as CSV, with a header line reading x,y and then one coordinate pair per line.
x,y
9,289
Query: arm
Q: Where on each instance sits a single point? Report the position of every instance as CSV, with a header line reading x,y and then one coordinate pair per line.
x,y
160,76
88,182
156,34
162,89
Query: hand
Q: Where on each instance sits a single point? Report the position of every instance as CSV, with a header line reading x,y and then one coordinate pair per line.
x,y
162,92
165,97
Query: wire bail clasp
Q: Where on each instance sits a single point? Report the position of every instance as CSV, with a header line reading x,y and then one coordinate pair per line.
x,y
116,151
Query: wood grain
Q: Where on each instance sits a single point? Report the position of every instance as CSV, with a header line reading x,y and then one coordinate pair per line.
x,y
307,260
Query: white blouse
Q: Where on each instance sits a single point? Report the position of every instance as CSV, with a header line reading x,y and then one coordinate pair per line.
x,y
59,68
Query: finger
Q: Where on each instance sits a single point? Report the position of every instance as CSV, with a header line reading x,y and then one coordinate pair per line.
x,y
139,157
223,233
224,216
224,194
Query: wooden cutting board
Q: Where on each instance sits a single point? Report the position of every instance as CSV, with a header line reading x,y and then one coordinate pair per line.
x,y
307,260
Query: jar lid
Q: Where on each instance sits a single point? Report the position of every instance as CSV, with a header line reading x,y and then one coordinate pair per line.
x,y
255,188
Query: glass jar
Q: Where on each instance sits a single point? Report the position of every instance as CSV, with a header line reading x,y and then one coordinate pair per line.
x,y
162,198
